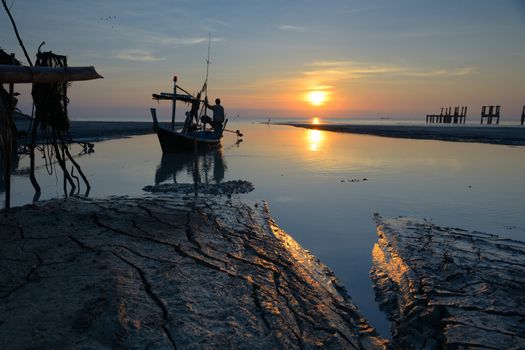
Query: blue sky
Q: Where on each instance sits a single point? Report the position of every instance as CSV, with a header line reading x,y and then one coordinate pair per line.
x,y
369,58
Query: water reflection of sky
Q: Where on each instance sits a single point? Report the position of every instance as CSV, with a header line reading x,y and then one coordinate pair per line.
x,y
306,175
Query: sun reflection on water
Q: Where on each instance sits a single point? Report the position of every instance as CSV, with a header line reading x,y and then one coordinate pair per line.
x,y
315,139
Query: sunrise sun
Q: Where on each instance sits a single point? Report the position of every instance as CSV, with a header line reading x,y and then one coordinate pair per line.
x,y
316,98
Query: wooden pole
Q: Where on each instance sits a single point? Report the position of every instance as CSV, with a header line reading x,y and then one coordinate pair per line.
x,y
174,103
523,116
5,147
10,140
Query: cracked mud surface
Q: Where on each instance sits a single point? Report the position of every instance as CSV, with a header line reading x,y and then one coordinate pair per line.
x,y
447,288
161,273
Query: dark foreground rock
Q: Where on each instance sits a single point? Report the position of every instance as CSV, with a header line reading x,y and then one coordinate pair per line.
x,y
163,273
447,288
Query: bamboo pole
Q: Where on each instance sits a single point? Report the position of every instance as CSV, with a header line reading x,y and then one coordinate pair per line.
x,y
5,146
174,103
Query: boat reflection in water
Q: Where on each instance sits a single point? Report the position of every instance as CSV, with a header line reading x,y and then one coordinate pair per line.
x,y
202,167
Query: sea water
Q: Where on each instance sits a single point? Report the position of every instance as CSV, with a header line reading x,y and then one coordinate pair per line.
x,y
323,187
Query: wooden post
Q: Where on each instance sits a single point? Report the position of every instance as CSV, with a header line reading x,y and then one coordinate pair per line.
x,y
497,114
8,137
174,103
6,148
523,116
154,116
10,140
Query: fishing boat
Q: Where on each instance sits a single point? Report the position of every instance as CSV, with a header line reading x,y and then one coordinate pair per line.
x,y
193,134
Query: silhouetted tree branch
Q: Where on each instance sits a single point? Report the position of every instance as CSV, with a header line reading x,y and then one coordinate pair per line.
x,y
16,32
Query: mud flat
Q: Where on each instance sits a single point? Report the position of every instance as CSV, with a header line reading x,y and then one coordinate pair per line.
x,y
447,288
501,135
166,272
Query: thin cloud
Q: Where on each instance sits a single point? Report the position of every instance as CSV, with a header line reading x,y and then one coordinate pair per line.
x,y
148,37
177,41
138,56
330,63
290,28
340,70
327,76
359,10
443,72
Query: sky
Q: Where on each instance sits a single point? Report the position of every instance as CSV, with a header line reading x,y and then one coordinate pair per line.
x,y
271,59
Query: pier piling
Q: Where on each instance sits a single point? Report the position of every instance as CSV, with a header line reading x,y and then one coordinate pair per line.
x,y
492,113
446,117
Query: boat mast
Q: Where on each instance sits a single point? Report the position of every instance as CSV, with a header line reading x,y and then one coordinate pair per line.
x,y
174,102
208,62
205,88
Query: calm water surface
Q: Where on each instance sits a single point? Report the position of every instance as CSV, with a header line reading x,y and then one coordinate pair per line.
x,y
306,175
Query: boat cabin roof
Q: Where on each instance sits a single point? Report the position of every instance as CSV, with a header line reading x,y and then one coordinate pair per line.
x,y
166,96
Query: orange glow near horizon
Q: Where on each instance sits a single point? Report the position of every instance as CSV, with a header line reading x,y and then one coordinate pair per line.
x,y
316,121
316,98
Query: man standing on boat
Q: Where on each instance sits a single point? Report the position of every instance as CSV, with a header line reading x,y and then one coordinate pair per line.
x,y
218,115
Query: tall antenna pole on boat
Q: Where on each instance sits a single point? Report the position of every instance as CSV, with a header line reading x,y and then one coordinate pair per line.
x,y
208,61
174,102
205,87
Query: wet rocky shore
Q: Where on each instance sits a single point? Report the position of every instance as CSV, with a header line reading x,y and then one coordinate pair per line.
x,y
447,288
166,272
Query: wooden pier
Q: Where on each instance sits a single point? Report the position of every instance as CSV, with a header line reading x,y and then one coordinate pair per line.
x,y
490,113
459,117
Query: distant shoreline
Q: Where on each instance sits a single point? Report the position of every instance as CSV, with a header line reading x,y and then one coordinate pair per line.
x,y
499,135
93,131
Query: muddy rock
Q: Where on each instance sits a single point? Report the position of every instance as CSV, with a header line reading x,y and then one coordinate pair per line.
x,y
447,288
166,272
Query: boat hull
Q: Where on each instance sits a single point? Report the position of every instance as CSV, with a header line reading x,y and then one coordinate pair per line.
x,y
172,141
